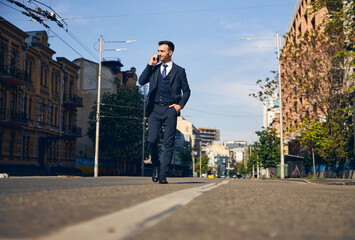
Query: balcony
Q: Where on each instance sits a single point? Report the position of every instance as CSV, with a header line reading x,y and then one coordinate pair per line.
x,y
12,118
73,100
13,76
73,131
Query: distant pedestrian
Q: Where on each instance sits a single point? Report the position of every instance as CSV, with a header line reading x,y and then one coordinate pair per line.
x,y
168,93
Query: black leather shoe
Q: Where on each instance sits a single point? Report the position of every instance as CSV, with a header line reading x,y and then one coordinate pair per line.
x,y
163,180
155,175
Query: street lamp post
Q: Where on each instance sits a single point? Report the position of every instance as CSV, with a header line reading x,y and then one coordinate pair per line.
x,y
277,45
200,159
282,162
101,49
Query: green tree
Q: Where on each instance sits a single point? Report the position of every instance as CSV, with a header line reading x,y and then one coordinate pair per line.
x,y
254,159
317,64
204,164
313,138
185,155
241,168
120,127
268,150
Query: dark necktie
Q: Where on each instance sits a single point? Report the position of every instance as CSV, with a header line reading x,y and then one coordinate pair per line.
x,y
163,74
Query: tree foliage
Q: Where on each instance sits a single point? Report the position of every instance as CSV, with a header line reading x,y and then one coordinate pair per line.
x,y
317,72
185,155
121,116
268,151
204,164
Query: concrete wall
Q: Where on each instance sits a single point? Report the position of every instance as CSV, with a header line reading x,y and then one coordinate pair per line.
x,y
87,89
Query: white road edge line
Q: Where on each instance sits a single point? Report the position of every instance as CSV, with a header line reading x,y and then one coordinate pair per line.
x,y
127,222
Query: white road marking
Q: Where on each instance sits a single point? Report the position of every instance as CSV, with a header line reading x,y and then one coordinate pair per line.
x,y
127,222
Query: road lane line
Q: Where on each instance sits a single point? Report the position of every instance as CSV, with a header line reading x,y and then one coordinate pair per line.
x,y
127,222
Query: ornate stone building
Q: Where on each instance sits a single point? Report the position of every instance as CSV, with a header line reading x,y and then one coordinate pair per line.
x,y
38,105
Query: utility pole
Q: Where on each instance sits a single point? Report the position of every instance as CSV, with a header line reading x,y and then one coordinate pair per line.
x,y
97,136
143,132
200,159
96,165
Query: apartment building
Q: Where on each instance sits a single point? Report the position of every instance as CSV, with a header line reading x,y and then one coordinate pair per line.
x,y
190,133
112,78
38,104
219,158
295,107
271,111
208,135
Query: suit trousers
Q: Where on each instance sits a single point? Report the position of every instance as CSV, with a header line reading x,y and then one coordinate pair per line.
x,y
162,116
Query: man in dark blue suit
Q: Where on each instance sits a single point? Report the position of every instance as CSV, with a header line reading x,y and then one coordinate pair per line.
x,y
168,93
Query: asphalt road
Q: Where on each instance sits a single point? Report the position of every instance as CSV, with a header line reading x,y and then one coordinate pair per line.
x,y
43,207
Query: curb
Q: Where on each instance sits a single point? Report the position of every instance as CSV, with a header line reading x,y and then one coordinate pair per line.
x,y
4,175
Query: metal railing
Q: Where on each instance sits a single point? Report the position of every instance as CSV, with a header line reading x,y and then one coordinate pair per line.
x,y
73,100
10,71
72,130
16,116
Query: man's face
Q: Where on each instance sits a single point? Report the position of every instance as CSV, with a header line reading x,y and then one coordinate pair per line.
x,y
164,53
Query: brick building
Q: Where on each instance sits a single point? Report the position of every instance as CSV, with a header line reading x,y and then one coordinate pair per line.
x,y
294,106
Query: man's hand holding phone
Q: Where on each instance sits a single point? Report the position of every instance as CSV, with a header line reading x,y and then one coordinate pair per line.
x,y
154,60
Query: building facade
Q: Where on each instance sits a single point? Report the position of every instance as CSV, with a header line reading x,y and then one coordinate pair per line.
x,y
187,136
238,149
112,79
190,133
270,111
38,102
294,107
219,158
208,135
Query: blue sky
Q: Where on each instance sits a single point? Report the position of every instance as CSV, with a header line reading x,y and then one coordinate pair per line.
x,y
221,68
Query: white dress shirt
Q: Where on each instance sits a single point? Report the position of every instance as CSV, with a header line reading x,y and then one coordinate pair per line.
x,y
168,68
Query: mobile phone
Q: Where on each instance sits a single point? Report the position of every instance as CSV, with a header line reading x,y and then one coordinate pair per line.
x,y
157,60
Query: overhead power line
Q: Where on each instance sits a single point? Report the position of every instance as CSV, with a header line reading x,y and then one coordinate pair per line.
x,y
66,43
179,12
10,6
40,15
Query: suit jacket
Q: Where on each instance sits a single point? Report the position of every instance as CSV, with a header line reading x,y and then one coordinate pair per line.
x,y
179,86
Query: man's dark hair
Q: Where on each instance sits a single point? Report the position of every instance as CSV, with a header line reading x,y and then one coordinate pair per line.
x,y
170,44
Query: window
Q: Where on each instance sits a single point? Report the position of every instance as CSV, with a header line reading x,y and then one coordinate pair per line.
x,y
13,62
25,105
53,82
29,108
23,145
12,101
55,116
42,80
29,66
44,73
12,143
2,99
313,21
42,112
28,146
45,77
2,56
1,137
